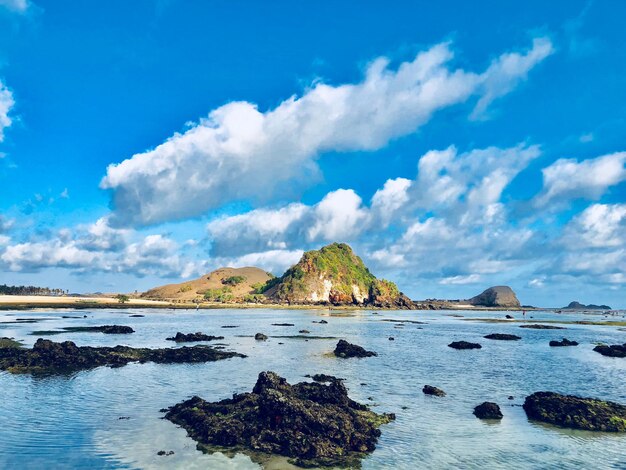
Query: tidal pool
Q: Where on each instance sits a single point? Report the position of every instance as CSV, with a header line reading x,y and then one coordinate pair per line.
x,y
74,421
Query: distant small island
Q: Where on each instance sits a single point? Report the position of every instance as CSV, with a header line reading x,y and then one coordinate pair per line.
x,y
578,306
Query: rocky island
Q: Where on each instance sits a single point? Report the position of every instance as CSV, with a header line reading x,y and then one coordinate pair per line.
x,y
498,296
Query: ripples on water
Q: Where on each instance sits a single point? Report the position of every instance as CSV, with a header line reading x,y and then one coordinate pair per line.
x,y
73,422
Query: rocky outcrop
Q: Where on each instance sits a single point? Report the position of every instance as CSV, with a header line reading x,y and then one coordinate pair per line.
x,y
578,306
614,350
346,350
193,337
570,411
488,410
313,423
563,342
430,390
498,296
334,275
503,337
49,357
260,337
464,345
542,327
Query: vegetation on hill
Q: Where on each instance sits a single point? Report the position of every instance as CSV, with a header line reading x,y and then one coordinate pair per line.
x,y
29,290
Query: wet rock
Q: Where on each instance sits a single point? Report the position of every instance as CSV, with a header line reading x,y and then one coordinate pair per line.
x,y
260,337
570,411
124,417
503,337
321,322
615,350
283,324
313,423
9,343
464,345
163,453
430,390
564,342
542,327
113,329
511,397
345,350
304,331
193,337
509,317
49,357
488,410
136,316
230,326
323,378
391,338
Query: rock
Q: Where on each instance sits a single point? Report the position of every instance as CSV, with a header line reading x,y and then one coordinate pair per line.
x,y
542,327
464,345
345,350
488,410
230,326
511,397
304,331
313,423
574,412
283,324
503,337
615,350
578,306
564,342
391,338
193,337
163,453
50,357
9,343
430,390
136,316
324,378
260,337
321,322
498,296
509,317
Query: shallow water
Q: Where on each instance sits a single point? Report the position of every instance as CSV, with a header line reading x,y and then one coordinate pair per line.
x,y
73,422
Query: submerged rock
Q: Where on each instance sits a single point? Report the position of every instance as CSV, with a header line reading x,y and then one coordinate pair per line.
x,y
192,337
430,390
535,326
50,357
488,410
323,378
508,317
615,350
260,337
570,411
283,324
321,322
503,337
304,331
316,424
563,342
464,345
345,350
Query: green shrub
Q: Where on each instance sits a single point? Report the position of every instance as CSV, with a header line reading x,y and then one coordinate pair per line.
x,y
233,280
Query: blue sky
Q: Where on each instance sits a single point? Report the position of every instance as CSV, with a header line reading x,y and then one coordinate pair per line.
x,y
455,146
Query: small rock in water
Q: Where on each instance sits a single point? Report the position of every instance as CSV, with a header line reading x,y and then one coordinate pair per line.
x,y
321,322
345,350
391,338
488,410
430,390
261,337
304,331
283,324
464,345
509,317
615,350
542,327
503,337
230,326
124,417
564,342
511,397
163,453
323,378
193,337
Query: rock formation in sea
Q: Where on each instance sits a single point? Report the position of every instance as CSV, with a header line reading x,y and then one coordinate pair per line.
x,y
574,412
578,306
563,342
498,296
314,424
346,350
193,337
614,350
488,410
503,337
430,390
464,345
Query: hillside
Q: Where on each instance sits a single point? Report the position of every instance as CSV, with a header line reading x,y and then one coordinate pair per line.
x,y
223,284
578,306
336,275
497,296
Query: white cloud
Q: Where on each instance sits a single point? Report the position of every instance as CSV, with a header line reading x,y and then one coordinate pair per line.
x,y
339,216
392,198
19,6
460,280
274,261
240,153
568,179
6,103
598,226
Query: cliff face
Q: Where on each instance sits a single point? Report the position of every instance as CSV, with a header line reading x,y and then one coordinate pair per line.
x,y
498,296
336,275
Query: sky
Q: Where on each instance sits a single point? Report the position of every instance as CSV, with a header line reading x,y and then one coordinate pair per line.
x,y
454,145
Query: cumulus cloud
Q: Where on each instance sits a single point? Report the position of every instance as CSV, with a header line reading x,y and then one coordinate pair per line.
x,y
241,153
6,103
598,226
274,261
568,179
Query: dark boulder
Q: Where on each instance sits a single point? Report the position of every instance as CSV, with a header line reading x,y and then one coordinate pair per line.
x,y
574,412
345,350
535,326
260,337
304,332
193,337
509,317
503,337
464,345
321,322
323,378
615,350
564,342
283,324
488,410
430,390
313,423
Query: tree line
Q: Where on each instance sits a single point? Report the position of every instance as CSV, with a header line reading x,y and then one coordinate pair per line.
x,y
30,290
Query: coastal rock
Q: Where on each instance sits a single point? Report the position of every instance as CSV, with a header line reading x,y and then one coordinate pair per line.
x,y
324,378
503,337
563,342
430,390
260,337
578,306
345,350
464,345
283,324
193,337
615,350
570,411
488,410
497,296
49,357
509,317
304,332
313,423
535,326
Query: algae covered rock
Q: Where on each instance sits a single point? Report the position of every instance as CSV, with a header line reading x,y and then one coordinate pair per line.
x,y
503,337
563,342
345,350
464,345
614,350
314,423
430,390
193,337
570,411
488,410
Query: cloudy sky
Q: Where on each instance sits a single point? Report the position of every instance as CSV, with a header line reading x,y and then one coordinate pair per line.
x,y
454,146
